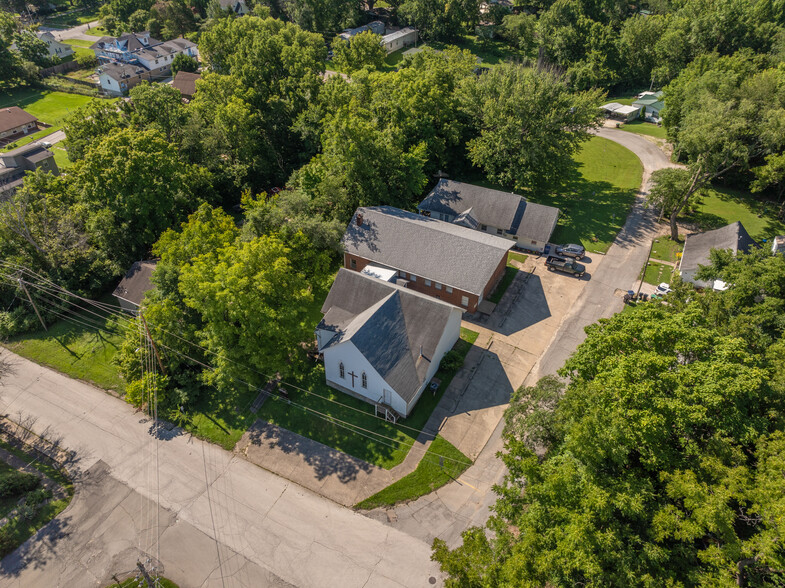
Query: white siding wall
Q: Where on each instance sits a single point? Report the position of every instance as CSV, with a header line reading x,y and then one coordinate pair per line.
x,y
354,361
451,333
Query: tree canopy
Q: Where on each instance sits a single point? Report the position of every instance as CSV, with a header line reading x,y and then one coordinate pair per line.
x,y
657,464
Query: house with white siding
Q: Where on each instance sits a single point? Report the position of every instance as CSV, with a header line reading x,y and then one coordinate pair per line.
x,y
381,342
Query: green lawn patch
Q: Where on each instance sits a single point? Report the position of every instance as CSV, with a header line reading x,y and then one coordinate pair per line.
x,y
663,248
160,581
61,157
656,273
80,47
722,206
428,476
97,32
640,127
359,432
75,350
509,275
514,256
49,107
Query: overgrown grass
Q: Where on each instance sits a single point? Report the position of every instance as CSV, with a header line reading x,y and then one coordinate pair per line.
x,y
75,350
509,275
73,18
428,476
665,249
160,581
656,273
641,127
722,206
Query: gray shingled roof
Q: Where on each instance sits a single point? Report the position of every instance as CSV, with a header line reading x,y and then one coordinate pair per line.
x,y
13,116
503,210
426,247
697,247
136,282
389,325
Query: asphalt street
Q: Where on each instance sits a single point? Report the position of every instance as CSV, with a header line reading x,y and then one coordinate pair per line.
x,y
263,530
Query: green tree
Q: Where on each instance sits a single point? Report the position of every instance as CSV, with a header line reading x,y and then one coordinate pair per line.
x,y
89,125
364,50
361,164
174,17
33,49
134,186
528,125
438,20
657,464
321,16
183,62
520,30
158,107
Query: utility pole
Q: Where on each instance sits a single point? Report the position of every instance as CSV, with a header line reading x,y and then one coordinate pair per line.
x,y
147,578
155,349
35,308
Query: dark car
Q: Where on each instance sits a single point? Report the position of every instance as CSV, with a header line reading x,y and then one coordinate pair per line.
x,y
571,250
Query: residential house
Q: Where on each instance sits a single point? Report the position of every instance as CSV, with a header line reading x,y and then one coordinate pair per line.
x,y
54,48
16,163
15,123
186,82
651,104
621,112
117,78
376,27
239,7
133,57
399,39
131,289
382,342
445,260
697,248
505,214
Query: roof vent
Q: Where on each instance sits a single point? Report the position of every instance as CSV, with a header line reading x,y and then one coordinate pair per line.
x,y
359,219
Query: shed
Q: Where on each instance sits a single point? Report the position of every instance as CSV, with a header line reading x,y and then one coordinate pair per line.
x,y
131,289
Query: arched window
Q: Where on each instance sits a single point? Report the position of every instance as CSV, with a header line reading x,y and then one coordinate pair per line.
x,y
341,370
365,380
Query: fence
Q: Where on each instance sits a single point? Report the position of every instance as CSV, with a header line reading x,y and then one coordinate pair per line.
x,y
59,68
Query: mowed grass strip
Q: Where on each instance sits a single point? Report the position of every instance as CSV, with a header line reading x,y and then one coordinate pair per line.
x,y
428,476
656,273
641,127
664,249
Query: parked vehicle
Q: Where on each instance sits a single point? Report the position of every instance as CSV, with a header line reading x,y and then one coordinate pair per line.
x,y
567,266
571,250
663,288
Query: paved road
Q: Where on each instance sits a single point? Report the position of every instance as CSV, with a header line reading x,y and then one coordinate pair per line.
x,y
77,32
456,506
268,531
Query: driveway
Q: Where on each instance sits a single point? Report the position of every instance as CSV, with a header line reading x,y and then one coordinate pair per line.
x,y
77,32
257,524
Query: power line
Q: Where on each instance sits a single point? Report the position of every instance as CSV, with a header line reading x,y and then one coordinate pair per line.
x,y
372,435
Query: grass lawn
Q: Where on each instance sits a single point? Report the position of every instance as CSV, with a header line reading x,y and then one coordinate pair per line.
x,y
61,157
80,47
665,249
656,273
359,436
641,127
160,581
49,107
97,32
597,197
722,206
75,350
428,476
509,275
514,256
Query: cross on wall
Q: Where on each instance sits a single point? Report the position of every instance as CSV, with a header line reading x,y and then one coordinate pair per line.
x,y
353,375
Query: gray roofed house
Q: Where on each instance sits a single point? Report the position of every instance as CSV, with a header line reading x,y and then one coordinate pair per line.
x,y
383,342
502,213
450,254
131,289
16,163
697,248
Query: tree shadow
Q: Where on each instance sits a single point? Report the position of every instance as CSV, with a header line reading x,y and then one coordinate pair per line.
x,y
324,460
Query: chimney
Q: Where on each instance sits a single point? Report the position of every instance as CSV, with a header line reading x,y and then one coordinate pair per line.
x,y
421,351
359,219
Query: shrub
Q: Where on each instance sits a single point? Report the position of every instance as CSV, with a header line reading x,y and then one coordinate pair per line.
x,y
15,483
452,361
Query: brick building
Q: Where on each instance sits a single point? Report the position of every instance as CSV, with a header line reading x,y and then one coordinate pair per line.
x,y
444,260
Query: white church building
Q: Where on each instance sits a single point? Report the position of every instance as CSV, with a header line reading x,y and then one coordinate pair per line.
x,y
382,342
